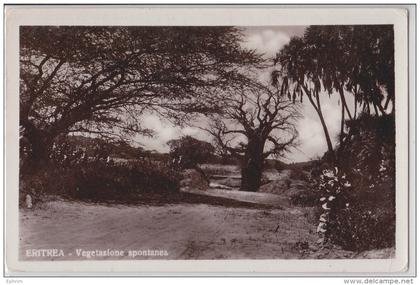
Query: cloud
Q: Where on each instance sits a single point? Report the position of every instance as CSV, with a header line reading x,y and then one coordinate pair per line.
x,y
267,41
311,140
164,131
311,134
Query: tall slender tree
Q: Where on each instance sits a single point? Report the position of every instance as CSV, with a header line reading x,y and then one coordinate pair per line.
x,y
348,60
331,51
298,77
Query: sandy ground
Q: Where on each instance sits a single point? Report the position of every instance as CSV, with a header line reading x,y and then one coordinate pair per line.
x,y
212,224
251,197
185,231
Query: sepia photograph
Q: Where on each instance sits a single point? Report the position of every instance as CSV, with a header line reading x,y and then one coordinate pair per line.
x,y
207,142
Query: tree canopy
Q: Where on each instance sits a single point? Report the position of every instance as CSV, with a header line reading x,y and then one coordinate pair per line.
x,y
349,60
101,79
356,59
188,151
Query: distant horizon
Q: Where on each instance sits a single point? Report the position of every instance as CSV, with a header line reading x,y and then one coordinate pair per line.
x,y
90,136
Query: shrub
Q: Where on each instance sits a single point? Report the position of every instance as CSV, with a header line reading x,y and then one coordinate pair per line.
x,y
217,169
287,182
32,185
264,179
71,173
188,152
275,164
99,180
357,228
298,174
367,154
353,218
358,190
304,198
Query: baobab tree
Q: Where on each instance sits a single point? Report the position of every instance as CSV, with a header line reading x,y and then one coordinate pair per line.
x,y
257,122
101,79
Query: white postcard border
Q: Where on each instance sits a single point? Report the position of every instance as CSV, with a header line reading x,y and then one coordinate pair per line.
x,y
16,16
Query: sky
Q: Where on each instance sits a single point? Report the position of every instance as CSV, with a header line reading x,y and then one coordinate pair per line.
x,y
311,141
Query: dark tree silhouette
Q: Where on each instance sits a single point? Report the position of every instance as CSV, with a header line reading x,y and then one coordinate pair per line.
x,y
372,74
352,60
100,79
257,122
188,152
299,77
331,51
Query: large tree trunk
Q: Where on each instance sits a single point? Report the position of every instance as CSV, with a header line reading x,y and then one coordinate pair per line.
x,y
342,123
40,144
252,166
330,152
343,101
34,165
355,108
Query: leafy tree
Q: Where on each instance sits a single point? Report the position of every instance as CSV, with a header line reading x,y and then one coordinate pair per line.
x,y
100,79
372,70
257,122
187,151
299,76
357,60
331,51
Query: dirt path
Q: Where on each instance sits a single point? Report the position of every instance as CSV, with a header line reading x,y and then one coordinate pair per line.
x,y
185,231
250,197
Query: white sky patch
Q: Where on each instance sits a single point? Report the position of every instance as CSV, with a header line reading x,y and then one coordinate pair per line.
x,y
312,141
166,131
266,41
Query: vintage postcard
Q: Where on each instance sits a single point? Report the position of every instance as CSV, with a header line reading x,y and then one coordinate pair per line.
x,y
217,140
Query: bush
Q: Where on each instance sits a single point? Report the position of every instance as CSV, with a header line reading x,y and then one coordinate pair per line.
x,y
358,190
99,180
217,169
287,182
187,152
305,198
357,228
353,218
298,174
195,179
32,185
367,154
71,173
275,164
